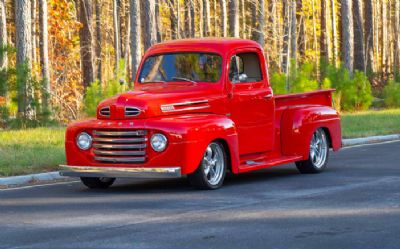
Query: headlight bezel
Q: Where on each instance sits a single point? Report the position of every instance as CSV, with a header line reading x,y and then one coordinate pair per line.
x,y
164,142
90,139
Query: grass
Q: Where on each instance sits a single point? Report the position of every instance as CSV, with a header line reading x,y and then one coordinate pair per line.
x,y
42,149
31,150
371,123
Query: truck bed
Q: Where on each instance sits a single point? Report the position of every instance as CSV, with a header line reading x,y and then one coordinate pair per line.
x,y
319,97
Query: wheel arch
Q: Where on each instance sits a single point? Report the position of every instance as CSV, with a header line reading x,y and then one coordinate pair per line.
x,y
298,124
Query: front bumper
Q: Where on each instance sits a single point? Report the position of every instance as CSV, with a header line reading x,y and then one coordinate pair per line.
x,y
114,172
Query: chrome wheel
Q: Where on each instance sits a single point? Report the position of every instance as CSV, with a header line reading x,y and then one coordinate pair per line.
x,y
318,148
213,163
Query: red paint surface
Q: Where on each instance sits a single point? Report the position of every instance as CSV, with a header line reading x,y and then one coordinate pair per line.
x,y
267,131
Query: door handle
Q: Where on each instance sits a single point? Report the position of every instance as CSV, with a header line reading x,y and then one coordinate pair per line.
x,y
268,96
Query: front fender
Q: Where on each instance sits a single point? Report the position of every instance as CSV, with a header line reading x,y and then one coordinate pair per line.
x,y
299,123
192,133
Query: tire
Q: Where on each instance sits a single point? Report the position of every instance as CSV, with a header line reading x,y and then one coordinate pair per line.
x,y
97,182
318,154
211,172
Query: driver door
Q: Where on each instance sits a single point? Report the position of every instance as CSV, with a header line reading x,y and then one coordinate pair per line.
x,y
252,104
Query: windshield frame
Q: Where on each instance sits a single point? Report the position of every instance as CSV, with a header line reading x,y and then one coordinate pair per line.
x,y
139,71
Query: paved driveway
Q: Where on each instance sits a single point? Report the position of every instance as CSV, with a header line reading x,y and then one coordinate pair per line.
x,y
354,204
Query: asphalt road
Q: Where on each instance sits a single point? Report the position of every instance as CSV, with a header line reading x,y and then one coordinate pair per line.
x,y
354,204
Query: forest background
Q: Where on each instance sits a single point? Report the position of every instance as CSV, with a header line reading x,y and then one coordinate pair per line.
x,y
58,58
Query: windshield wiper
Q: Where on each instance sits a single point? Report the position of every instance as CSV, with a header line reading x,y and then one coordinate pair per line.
x,y
184,79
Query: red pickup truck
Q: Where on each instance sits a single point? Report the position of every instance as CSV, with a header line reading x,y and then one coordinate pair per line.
x,y
202,108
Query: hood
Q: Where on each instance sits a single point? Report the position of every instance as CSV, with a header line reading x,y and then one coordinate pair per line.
x,y
158,100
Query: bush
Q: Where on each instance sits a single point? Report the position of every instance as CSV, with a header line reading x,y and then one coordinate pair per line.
x,y
391,94
354,93
95,93
278,83
302,79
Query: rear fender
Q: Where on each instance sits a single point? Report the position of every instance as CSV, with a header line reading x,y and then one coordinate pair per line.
x,y
299,123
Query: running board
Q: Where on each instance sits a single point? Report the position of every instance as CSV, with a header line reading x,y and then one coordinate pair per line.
x,y
254,165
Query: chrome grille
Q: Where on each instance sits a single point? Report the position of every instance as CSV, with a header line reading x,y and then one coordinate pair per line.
x,y
116,146
131,111
105,111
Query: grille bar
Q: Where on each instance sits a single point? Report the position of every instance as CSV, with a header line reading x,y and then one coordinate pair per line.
x,y
120,146
120,133
119,140
119,153
121,159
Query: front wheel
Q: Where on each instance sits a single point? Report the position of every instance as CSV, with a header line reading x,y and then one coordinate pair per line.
x,y
212,170
318,154
97,182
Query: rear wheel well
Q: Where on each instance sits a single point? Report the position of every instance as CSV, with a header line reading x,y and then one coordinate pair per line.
x,y
328,134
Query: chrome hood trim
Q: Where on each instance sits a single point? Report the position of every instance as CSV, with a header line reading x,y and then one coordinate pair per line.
x,y
185,106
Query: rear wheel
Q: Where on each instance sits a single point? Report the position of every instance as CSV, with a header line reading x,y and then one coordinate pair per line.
x,y
318,154
212,170
97,182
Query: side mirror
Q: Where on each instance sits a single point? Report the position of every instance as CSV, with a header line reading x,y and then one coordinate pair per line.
x,y
242,77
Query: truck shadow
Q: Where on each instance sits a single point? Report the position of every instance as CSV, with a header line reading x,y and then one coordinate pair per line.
x,y
182,184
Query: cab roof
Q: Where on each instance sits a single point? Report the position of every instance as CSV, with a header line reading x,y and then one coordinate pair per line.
x,y
216,45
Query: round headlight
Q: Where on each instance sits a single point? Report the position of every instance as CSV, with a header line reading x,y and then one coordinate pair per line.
x,y
158,142
84,141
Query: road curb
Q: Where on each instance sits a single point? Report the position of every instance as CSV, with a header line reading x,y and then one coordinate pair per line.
x,y
31,179
7,182
370,140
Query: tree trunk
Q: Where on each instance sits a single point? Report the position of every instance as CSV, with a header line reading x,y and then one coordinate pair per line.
x,y
201,18
187,20
325,38
192,18
33,30
384,39
158,21
135,36
173,20
224,18
3,34
272,38
243,17
127,51
302,35
23,25
335,54
149,31
261,24
347,35
293,33
254,28
286,39
98,41
397,41
359,51
369,35
117,40
215,19
234,18
44,53
86,41
206,16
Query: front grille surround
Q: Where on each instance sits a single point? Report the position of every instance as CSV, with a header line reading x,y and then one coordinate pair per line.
x,y
131,111
120,146
105,111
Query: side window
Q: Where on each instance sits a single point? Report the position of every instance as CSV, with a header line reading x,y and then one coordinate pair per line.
x,y
245,67
233,70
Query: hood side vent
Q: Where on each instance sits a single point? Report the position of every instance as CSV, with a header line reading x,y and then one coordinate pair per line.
x,y
105,111
132,111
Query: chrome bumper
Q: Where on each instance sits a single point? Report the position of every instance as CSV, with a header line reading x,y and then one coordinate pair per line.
x,y
90,171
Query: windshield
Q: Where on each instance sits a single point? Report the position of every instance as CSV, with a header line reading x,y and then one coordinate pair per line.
x,y
186,67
